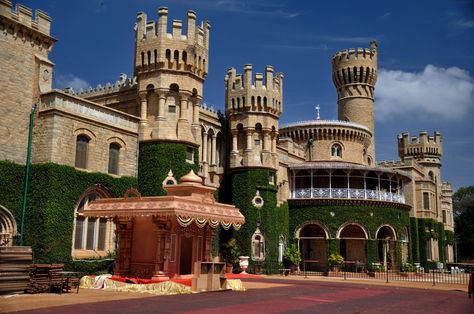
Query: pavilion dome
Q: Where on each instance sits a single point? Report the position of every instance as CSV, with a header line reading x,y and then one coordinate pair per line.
x,y
191,177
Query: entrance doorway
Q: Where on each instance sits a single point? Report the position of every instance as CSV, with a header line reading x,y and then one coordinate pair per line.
x,y
186,255
313,247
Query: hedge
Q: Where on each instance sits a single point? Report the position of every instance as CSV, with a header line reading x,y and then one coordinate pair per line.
x,y
155,161
54,191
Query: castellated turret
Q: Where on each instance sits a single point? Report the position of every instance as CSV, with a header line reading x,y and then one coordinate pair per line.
x,y
354,75
253,106
425,149
170,70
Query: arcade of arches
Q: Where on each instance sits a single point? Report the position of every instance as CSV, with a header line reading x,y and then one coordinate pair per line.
x,y
313,241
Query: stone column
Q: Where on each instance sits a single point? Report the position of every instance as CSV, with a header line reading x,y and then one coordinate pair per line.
x,y
196,112
213,151
249,133
204,147
161,106
234,140
274,142
183,108
161,233
143,107
266,140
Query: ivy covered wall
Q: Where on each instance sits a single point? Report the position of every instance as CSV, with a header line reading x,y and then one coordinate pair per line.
x,y
154,162
271,219
332,217
54,191
431,229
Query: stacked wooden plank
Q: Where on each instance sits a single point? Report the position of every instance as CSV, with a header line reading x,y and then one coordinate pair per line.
x,y
14,269
44,277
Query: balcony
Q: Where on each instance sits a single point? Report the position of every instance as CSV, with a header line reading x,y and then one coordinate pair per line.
x,y
339,193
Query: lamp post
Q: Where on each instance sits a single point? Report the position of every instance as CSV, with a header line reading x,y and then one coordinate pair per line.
x,y
27,174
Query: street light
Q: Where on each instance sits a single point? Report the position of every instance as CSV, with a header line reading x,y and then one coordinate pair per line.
x,y
27,174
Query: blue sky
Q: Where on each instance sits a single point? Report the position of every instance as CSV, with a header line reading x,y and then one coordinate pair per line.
x,y
426,57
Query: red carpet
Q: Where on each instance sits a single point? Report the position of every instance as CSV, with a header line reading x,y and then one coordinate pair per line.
x,y
242,276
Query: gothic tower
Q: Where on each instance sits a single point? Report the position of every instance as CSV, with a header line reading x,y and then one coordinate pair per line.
x,y
354,75
170,69
253,109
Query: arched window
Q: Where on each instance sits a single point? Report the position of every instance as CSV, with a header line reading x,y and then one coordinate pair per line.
x,y
114,156
82,146
92,236
336,150
258,246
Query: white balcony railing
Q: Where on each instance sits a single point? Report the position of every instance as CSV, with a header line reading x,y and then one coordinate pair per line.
x,y
348,194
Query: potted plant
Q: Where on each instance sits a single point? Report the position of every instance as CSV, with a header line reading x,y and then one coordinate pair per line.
x,y
230,253
292,258
335,261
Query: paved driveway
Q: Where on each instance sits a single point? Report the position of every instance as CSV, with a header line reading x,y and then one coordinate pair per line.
x,y
293,296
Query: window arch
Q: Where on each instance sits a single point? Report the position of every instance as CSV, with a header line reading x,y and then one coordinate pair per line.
x,y
281,248
92,236
258,246
114,158
336,150
82,147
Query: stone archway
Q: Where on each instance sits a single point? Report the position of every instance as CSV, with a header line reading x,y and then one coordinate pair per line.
x,y
313,246
8,227
353,239
386,237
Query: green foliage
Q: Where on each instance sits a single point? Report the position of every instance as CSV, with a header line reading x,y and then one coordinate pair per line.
x,y
463,203
441,242
408,267
90,266
292,254
398,218
427,229
372,251
54,191
398,253
463,198
335,259
449,237
270,218
414,241
154,162
334,246
230,252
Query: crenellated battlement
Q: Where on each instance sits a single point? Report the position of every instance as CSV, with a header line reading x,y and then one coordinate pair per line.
x,y
259,92
391,163
422,146
355,67
24,15
158,49
120,85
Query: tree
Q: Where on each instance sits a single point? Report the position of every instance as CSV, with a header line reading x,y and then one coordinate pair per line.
x,y
463,205
462,198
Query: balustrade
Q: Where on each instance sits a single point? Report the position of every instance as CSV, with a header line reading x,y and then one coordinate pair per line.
x,y
342,193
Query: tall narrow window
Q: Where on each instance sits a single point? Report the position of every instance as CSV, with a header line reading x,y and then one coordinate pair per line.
x,y
82,146
258,246
426,200
114,155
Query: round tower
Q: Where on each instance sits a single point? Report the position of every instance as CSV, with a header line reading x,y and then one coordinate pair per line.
x,y
170,69
253,108
354,75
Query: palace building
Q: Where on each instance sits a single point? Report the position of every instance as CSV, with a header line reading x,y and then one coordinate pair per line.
x,y
315,183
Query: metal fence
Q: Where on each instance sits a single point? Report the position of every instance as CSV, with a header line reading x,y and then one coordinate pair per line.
x,y
432,277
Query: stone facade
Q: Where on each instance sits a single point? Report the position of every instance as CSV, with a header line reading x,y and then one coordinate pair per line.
x,y
163,102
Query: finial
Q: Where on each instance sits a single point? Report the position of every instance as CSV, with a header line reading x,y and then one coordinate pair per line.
x,y
317,112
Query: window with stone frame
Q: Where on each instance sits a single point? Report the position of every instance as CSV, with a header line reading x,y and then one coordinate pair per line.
x,y
336,150
82,147
190,154
114,158
426,200
92,236
258,246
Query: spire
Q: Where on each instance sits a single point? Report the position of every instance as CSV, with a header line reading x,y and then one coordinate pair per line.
x,y
317,112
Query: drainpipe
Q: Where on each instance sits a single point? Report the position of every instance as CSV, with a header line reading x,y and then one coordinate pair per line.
x,y
27,175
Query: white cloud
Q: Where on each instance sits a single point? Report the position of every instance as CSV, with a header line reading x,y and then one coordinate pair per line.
x,y
465,23
434,92
70,80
